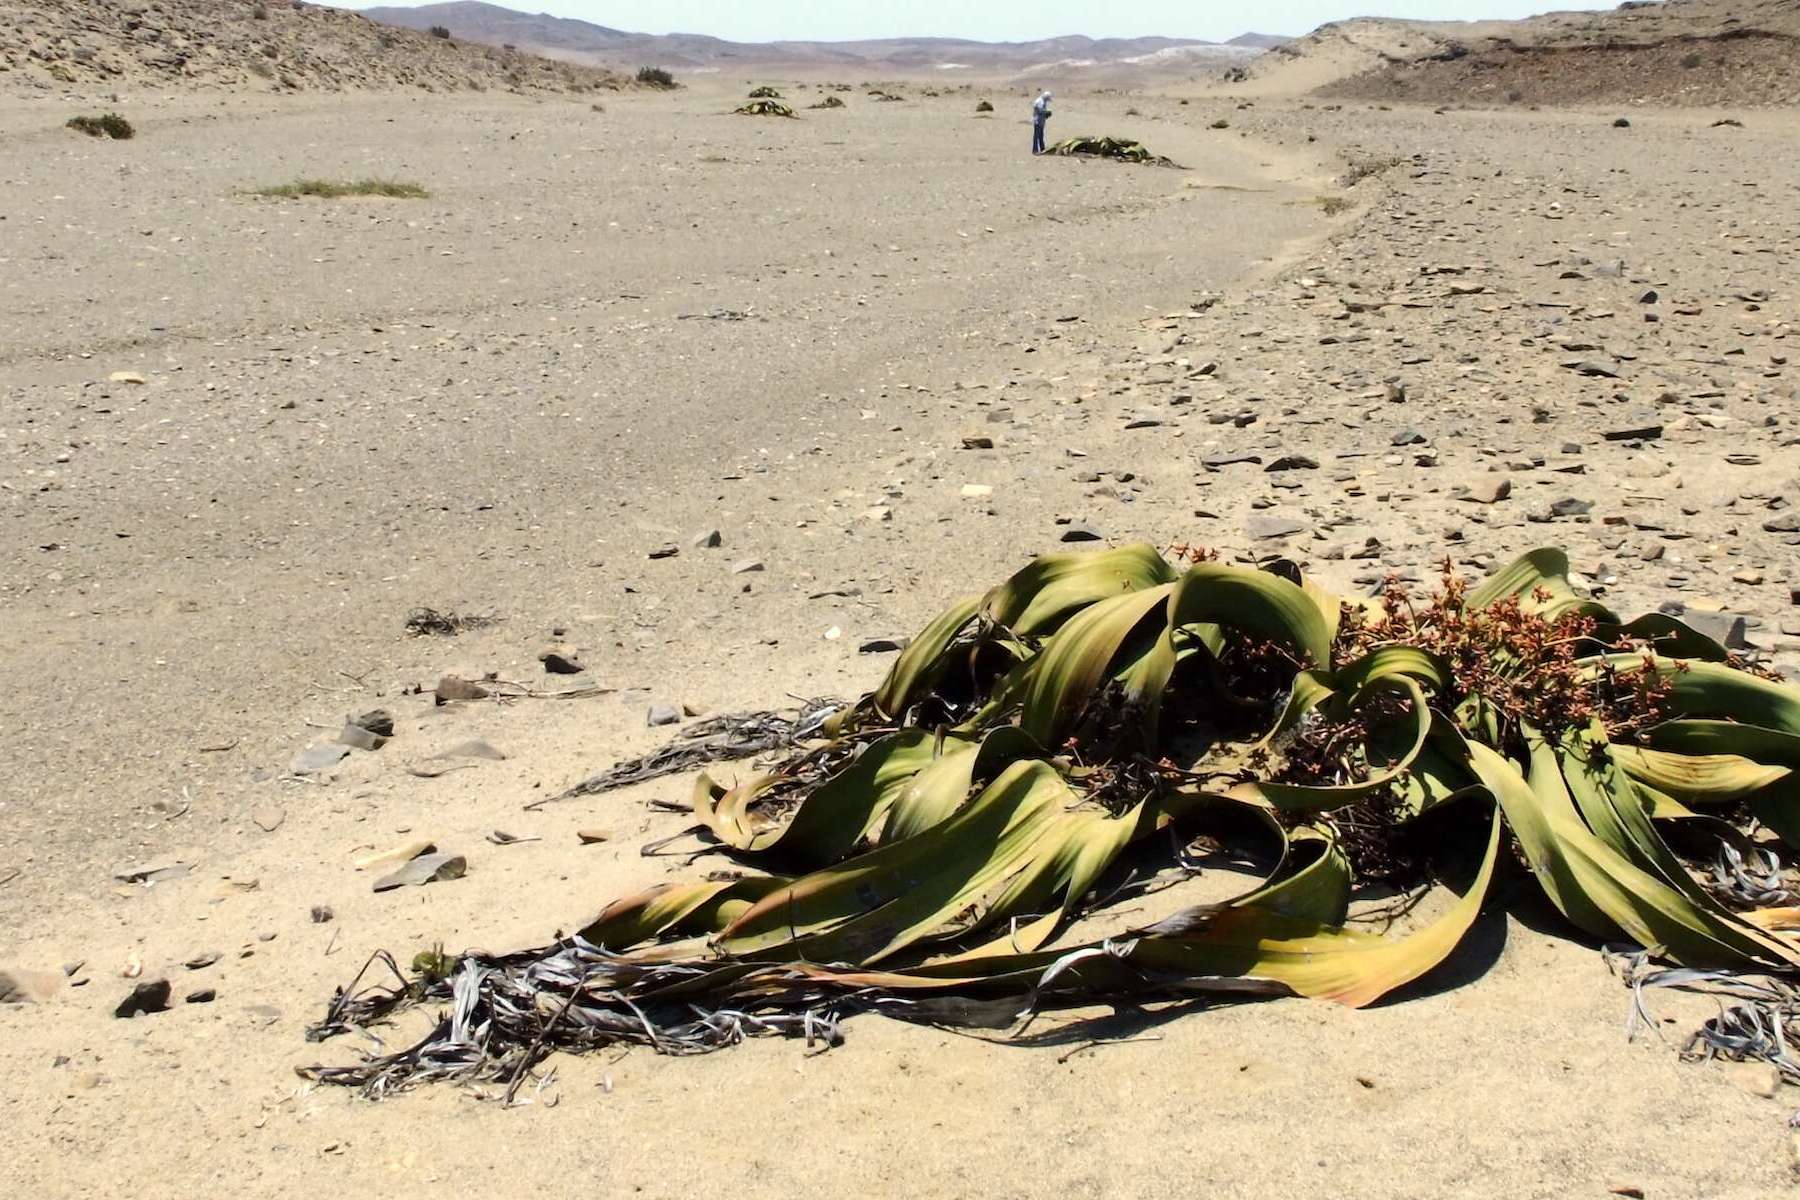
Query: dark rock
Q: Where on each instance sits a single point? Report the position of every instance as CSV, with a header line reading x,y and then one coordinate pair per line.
x,y
150,996
1592,369
378,721
1293,462
882,646
1081,533
1569,506
662,714
1408,437
559,660
1213,462
666,550
202,996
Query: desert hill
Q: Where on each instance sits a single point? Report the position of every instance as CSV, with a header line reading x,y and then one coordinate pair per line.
x,y
1678,52
1074,59
251,44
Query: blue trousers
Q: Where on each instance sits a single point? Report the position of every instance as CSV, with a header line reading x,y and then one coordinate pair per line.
x,y
1037,137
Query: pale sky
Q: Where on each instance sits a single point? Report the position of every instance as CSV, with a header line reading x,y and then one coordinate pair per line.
x,y
1000,20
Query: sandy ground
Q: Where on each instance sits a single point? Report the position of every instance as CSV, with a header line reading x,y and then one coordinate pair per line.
x,y
608,332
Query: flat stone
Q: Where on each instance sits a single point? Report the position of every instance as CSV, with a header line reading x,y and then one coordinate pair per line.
x,y
663,714
268,818
427,868
19,985
1293,462
709,540
1263,528
1635,431
1758,1078
1215,461
747,566
666,550
1407,437
1788,522
474,748
454,687
1569,506
882,645
358,738
1727,629
321,756
157,871
1081,533
978,442
1591,368
1490,490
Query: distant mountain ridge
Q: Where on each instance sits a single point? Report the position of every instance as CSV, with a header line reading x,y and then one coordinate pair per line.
x,y
583,41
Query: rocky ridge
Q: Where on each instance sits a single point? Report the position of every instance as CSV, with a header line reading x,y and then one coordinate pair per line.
x,y
252,45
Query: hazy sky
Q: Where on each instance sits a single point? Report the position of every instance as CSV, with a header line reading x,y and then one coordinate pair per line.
x,y
1000,20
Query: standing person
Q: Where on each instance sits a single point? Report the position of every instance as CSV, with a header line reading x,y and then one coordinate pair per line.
x,y
1040,116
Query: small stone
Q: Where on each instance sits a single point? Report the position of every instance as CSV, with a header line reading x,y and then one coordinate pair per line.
x,y
202,961
126,377
1081,533
881,646
976,491
1786,523
1621,123
1747,575
268,817
666,550
1407,437
1636,431
592,837
710,540
150,996
662,714
202,996
1293,462
1592,369
322,914
978,442
1213,462
1569,506
747,566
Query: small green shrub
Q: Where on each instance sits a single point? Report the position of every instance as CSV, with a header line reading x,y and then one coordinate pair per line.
x,y
764,93
655,77
110,125
440,31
